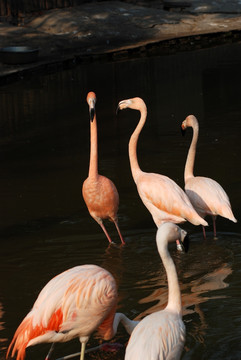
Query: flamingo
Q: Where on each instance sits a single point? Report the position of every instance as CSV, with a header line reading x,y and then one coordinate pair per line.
x,y
161,335
205,194
72,305
99,192
164,199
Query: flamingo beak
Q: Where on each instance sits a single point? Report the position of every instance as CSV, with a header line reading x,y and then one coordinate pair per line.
x,y
183,130
185,244
92,114
117,109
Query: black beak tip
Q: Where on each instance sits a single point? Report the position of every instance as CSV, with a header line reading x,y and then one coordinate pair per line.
x,y
92,114
186,243
183,131
117,110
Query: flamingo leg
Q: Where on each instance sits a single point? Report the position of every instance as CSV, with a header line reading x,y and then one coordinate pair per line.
x,y
105,231
82,354
204,233
214,227
50,352
117,228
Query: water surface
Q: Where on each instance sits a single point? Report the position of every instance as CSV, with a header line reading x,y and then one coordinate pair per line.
x,y
45,226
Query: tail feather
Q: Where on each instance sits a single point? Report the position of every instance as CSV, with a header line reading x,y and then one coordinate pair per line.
x,y
20,340
194,218
226,212
27,331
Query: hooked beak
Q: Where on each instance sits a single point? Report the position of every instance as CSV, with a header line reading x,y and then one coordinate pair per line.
x,y
183,130
123,104
117,109
92,113
183,245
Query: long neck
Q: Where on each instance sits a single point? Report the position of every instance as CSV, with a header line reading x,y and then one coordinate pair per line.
x,y
135,168
93,167
188,173
174,294
128,324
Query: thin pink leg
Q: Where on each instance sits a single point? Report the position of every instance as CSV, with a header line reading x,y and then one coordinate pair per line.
x,y
50,352
214,227
117,228
105,231
204,233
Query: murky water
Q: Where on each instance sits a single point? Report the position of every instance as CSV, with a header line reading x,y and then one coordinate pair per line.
x,y
45,226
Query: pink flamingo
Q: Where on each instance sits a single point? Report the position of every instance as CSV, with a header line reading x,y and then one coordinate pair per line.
x,y
161,335
72,305
99,192
205,194
164,199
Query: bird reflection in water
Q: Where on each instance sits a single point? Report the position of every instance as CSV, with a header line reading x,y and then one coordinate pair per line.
x,y
2,340
192,296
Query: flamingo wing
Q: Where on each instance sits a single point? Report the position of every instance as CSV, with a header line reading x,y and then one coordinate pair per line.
x,y
164,198
158,336
208,197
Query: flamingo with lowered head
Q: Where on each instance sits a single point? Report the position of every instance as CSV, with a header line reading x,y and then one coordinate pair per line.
x,y
205,194
72,305
161,335
164,199
99,192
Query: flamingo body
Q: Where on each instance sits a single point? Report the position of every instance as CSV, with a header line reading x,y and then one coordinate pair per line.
x,y
72,305
164,199
161,335
101,198
99,192
206,195
202,191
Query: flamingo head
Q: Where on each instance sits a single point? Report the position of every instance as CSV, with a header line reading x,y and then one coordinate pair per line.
x,y
190,121
134,103
169,232
91,101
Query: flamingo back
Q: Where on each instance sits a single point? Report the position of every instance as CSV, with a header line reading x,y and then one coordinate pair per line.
x,y
76,301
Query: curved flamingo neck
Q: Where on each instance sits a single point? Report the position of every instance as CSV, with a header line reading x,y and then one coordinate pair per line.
x,y
174,295
128,324
135,168
93,166
189,167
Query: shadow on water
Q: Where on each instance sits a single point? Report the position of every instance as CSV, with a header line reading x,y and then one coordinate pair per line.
x,y
45,226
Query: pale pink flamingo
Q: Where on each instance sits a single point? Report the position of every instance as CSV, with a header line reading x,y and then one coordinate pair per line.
x,y
205,194
161,335
72,305
99,192
164,199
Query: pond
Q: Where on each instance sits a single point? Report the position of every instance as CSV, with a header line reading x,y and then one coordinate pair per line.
x,y
45,226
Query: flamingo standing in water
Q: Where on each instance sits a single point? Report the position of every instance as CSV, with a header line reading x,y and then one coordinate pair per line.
x,y
164,199
99,192
72,305
205,194
161,335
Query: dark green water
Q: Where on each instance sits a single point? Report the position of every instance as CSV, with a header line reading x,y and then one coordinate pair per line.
x,y
45,227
